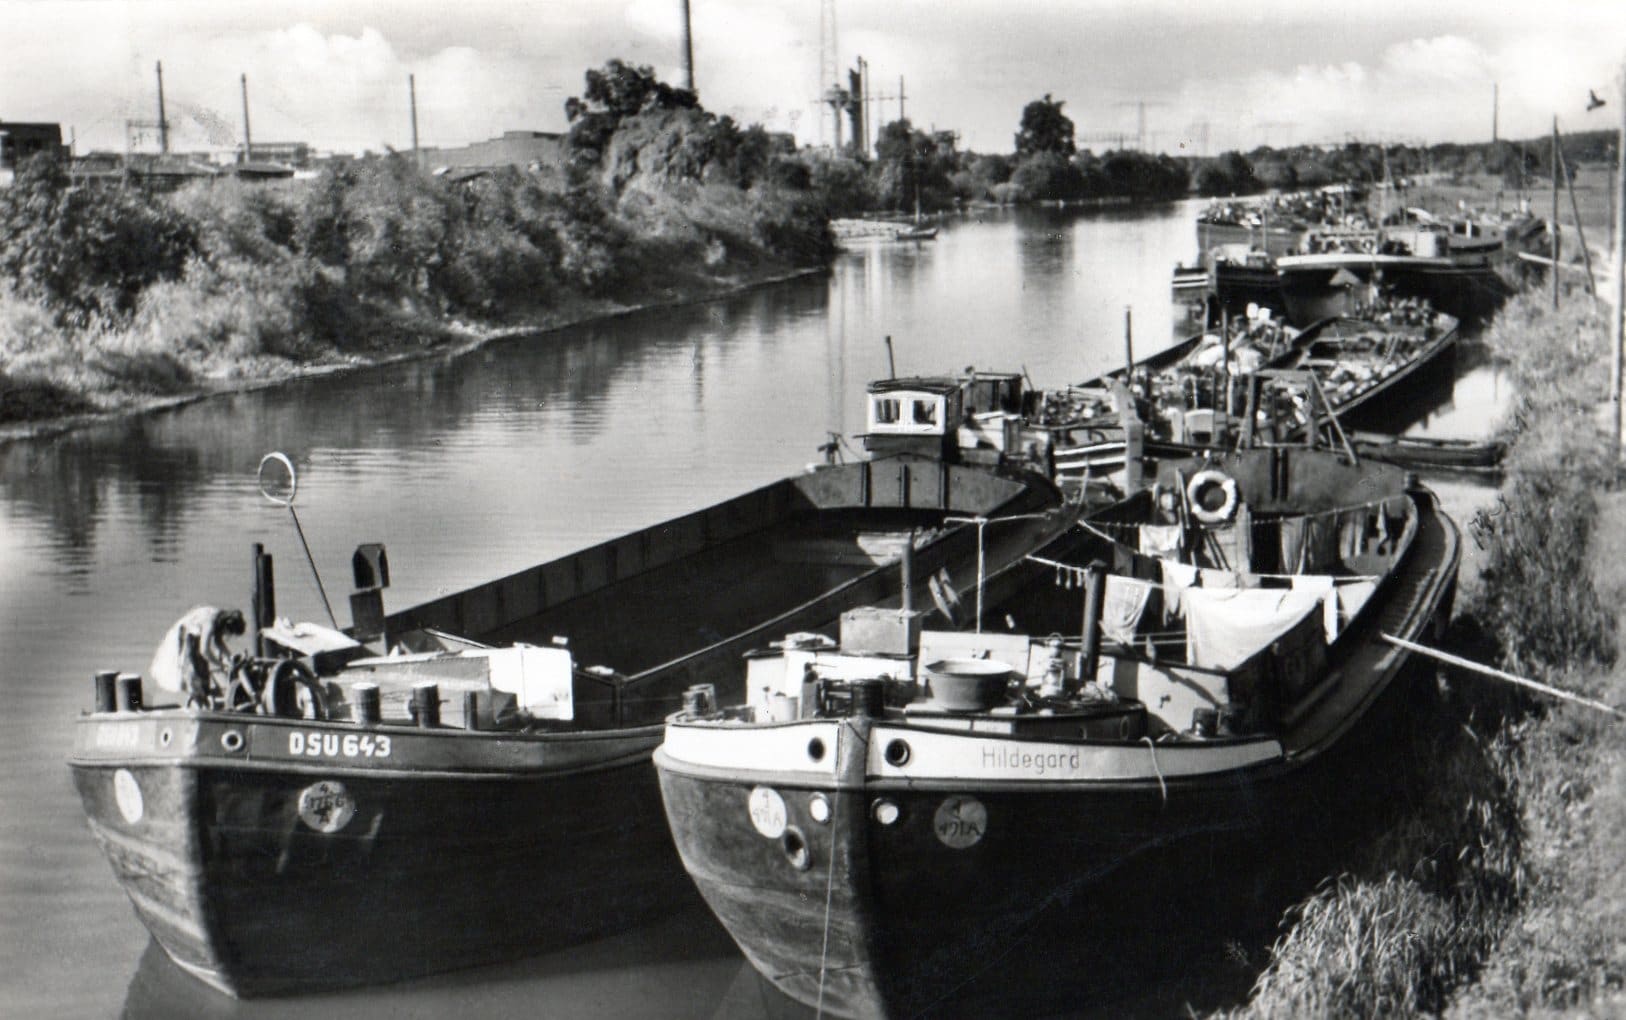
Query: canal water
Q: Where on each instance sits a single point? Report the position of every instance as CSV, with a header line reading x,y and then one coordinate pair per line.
x,y
472,467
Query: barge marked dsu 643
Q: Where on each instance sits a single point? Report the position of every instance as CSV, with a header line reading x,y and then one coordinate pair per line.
x,y
477,803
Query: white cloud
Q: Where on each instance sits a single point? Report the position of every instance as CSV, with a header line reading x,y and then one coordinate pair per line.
x,y
333,72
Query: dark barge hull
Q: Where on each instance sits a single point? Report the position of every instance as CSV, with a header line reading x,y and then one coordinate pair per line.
x,y
1073,889
1198,294
442,866
1468,292
1276,240
467,847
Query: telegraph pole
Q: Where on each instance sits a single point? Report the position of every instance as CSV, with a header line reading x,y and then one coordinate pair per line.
x,y
1617,319
1557,242
163,122
248,142
900,98
1496,110
412,98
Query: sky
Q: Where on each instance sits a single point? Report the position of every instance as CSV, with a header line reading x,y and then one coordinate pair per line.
x,y
1211,75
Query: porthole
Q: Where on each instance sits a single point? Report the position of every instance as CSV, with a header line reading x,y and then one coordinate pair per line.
x,y
232,741
818,807
796,849
897,753
815,749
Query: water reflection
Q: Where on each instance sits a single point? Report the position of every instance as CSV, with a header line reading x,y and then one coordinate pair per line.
x,y
469,468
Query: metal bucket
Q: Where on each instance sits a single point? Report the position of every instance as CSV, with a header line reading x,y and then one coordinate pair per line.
x,y
968,685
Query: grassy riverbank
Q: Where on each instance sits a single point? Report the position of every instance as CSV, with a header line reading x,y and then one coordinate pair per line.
x,y
1495,888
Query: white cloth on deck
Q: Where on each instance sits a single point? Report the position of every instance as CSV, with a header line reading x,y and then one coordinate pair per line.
x,y
1122,606
1161,540
1321,586
1175,577
1224,627
173,667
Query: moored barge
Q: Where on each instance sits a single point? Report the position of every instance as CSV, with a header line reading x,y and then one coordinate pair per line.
x,y
469,780
996,822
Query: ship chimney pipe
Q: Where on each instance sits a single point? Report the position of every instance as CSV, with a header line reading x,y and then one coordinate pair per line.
x,y
909,574
1095,586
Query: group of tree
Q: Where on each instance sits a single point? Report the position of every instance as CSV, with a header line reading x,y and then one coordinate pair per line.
x,y
911,165
655,194
1517,164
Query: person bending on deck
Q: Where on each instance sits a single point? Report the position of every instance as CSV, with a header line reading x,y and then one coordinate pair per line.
x,y
193,649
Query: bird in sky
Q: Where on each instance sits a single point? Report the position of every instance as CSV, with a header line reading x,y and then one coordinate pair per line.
x,y
1593,102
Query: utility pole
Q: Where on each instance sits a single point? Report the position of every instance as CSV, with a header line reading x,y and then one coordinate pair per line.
x,y
248,141
688,52
900,98
412,98
1617,319
1496,110
1558,243
863,106
163,123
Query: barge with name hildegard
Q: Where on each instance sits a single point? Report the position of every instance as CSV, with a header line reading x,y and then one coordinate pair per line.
x,y
469,780
971,824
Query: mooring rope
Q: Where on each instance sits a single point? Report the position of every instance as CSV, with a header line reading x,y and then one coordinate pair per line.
x,y
1163,787
829,896
1496,674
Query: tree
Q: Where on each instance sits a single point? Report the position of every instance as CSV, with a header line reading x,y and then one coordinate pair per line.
x,y
1044,128
907,159
87,251
1047,176
622,90
617,91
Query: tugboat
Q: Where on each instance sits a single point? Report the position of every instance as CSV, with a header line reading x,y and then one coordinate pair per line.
x,y
469,780
954,823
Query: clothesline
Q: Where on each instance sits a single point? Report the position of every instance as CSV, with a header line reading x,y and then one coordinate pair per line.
x,y
1079,571
1128,526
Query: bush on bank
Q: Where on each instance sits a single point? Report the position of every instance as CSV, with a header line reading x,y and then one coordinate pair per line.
x,y
1495,888
116,293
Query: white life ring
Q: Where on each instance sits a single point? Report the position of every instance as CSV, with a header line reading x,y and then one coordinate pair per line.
x,y
1199,484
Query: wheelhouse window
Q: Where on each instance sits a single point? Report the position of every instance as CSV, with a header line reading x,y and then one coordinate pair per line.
x,y
911,412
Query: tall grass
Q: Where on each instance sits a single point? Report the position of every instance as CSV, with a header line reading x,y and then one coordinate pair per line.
x,y
1496,889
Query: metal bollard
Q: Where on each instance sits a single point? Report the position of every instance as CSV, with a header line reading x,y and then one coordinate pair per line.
x,y
129,692
364,704
107,691
426,704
